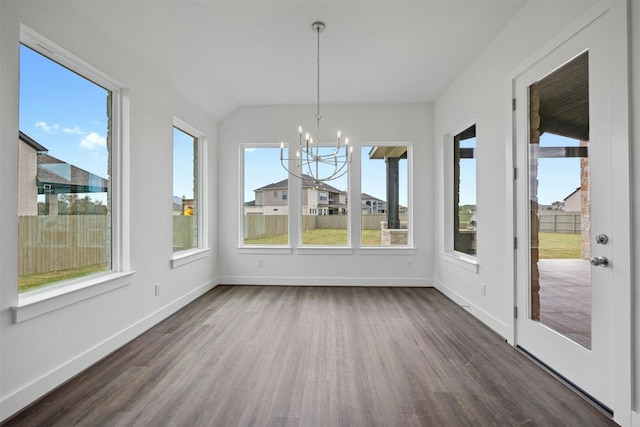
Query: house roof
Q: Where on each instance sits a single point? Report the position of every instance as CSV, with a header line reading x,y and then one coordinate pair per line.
x,y
31,142
393,151
572,193
364,197
307,182
64,178
564,100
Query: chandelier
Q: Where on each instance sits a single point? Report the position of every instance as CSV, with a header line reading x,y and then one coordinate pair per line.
x,y
313,161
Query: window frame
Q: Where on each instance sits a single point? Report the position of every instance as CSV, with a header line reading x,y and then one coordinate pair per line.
x,y
409,248
257,249
49,298
461,259
202,249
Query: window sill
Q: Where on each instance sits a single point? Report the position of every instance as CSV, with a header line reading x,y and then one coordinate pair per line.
x,y
324,250
183,258
284,250
387,250
35,304
461,260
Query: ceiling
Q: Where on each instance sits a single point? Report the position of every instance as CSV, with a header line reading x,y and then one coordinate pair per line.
x,y
226,54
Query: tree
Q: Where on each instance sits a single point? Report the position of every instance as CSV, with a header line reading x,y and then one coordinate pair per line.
x,y
73,204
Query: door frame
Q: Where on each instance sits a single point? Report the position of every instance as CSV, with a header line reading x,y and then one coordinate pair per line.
x,y
618,36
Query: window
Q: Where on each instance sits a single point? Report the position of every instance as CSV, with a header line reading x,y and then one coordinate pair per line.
x,y
325,217
68,145
265,215
186,184
464,191
385,195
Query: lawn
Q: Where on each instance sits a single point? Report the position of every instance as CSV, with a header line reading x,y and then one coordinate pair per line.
x,y
34,281
552,245
320,236
560,246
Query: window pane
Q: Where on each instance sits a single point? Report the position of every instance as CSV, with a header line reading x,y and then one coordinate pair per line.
x,y
266,205
464,192
185,191
64,198
384,198
324,205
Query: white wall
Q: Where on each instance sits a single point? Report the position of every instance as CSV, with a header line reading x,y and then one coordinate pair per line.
x,y
40,353
363,124
635,188
484,91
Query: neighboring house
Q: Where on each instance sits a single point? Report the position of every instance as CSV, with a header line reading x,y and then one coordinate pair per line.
x,y
28,151
273,199
43,174
372,205
573,202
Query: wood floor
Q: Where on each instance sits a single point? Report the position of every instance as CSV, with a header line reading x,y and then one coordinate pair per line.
x,y
565,298
308,356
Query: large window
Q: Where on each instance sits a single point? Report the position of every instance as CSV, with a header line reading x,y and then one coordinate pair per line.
x,y
465,221
186,184
384,199
325,217
66,152
265,209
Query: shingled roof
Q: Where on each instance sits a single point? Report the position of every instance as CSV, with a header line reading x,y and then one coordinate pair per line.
x,y
307,182
63,178
60,177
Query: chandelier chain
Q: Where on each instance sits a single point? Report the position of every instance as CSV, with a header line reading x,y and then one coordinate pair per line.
x,y
318,117
310,161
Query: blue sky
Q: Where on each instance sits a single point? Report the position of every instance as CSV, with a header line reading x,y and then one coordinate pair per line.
x,y
557,177
182,164
262,167
63,112
67,114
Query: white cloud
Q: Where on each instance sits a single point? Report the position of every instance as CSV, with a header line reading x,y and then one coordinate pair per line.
x,y
92,141
250,150
74,131
45,127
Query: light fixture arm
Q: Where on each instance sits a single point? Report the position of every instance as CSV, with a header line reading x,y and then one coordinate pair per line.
x,y
307,156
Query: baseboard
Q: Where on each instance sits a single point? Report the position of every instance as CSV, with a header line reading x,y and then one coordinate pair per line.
x,y
635,419
493,323
397,282
18,400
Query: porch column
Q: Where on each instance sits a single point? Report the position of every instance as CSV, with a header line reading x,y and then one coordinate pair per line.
x,y
534,141
51,200
393,193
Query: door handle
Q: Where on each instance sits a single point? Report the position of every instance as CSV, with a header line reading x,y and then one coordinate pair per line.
x,y
599,261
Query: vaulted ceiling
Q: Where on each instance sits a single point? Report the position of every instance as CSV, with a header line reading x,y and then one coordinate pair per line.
x,y
225,54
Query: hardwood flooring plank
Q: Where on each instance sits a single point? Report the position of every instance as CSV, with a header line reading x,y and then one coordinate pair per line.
x,y
323,356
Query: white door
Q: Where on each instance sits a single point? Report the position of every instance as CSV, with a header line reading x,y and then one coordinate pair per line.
x,y
564,265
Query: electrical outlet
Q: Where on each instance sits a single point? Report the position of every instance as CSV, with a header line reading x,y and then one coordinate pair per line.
x,y
260,263
410,265
483,290
157,289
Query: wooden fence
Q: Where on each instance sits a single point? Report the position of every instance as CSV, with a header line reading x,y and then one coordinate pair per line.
x,y
559,222
52,243
256,226
185,232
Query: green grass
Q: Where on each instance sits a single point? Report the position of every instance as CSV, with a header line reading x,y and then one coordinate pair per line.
x,y
560,246
320,236
34,281
552,245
